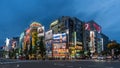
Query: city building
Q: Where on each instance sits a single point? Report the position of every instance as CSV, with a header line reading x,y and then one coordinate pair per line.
x,y
67,38
105,41
48,43
32,44
1,52
72,27
14,50
92,37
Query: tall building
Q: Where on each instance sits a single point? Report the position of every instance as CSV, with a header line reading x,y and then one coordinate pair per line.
x,y
48,43
32,41
105,41
91,37
73,29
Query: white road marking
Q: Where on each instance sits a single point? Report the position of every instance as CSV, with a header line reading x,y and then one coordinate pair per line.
x,y
109,67
59,64
70,66
18,65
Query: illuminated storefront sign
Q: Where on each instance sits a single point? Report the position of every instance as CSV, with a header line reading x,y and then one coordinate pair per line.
x,y
14,44
49,48
59,46
60,38
92,41
93,27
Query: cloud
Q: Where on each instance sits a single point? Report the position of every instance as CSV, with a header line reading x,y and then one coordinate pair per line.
x,y
17,15
104,12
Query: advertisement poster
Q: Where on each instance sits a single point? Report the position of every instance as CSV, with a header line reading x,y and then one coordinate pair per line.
x,y
92,41
49,48
97,28
87,26
48,35
59,46
40,31
59,38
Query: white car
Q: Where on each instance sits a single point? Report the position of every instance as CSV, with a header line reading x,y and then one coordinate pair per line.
x,y
101,58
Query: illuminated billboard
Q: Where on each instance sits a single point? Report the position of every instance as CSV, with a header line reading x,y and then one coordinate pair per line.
x,y
54,23
59,46
40,31
48,35
59,38
92,41
14,44
49,48
97,27
92,26
87,26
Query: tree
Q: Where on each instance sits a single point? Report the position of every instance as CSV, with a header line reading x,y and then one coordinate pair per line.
x,y
114,47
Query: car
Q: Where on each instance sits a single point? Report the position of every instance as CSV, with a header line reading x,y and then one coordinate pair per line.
x,y
101,57
94,57
109,57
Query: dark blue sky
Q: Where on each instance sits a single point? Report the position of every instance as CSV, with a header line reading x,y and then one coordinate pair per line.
x,y
17,15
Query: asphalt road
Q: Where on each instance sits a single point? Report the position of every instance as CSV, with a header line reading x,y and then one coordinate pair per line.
x,y
60,64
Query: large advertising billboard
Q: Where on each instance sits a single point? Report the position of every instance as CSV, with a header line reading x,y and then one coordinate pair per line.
x,y
48,35
97,27
40,31
59,38
93,26
59,46
14,44
49,48
87,26
92,41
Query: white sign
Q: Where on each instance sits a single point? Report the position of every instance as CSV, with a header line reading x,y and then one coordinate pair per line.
x,y
7,42
40,31
48,35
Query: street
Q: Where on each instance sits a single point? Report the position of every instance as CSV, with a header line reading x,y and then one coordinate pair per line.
x,y
59,64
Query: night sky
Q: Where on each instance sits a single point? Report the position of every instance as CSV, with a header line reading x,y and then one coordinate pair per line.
x,y
17,15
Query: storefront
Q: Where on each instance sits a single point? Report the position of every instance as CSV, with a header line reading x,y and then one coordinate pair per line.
x,y
48,43
60,49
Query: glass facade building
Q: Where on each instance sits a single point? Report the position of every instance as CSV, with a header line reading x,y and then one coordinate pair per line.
x,y
92,37
73,28
105,41
94,40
